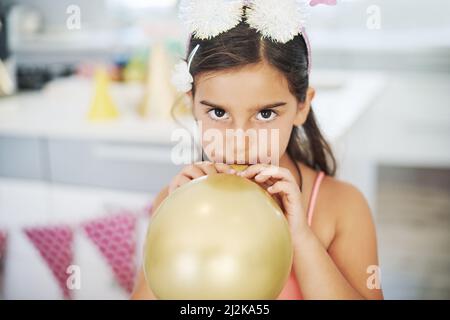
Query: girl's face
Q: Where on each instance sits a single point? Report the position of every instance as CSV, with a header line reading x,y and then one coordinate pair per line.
x,y
255,99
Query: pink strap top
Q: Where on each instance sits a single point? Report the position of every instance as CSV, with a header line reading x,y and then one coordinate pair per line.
x,y
291,290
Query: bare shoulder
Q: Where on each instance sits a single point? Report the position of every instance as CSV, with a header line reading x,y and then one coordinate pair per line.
x,y
343,193
347,203
353,247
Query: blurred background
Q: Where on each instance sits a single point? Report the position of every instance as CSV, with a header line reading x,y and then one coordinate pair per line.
x,y
85,135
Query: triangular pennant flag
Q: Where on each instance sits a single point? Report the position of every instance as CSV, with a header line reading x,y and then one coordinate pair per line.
x,y
3,239
54,243
114,236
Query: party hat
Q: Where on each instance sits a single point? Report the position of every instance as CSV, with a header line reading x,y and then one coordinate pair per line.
x,y
102,107
159,94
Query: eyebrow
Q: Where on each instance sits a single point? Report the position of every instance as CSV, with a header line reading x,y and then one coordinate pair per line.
x,y
269,106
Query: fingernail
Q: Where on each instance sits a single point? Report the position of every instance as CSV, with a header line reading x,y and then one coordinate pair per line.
x,y
231,171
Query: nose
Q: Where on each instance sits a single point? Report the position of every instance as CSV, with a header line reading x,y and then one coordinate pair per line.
x,y
241,124
239,143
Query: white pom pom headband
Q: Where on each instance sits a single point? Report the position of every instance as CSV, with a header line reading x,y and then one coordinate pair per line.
x,y
209,18
279,21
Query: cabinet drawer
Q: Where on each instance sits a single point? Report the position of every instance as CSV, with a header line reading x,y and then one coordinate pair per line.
x,y
22,157
133,166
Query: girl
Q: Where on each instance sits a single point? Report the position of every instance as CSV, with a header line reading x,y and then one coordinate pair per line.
x,y
242,80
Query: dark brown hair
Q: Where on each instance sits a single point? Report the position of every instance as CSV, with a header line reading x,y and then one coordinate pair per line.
x,y
243,45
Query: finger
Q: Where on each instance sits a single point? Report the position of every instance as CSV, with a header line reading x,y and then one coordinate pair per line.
x,y
270,173
224,168
262,178
178,181
278,173
264,185
207,167
280,187
253,170
192,172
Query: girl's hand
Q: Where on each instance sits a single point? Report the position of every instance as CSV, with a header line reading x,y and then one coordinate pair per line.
x,y
280,183
197,170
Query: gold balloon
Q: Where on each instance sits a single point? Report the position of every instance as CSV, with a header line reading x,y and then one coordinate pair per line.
x,y
220,236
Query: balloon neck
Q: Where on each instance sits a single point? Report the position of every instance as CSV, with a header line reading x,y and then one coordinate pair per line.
x,y
239,167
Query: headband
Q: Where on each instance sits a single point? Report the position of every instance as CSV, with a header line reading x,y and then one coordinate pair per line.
x,y
278,21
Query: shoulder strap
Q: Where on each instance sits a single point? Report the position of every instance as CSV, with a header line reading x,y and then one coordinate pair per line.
x,y
313,197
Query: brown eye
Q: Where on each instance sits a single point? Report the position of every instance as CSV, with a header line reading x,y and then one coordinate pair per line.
x,y
218,114
266,115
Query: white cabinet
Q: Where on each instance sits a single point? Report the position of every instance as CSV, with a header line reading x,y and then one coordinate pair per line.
x,y
119,165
